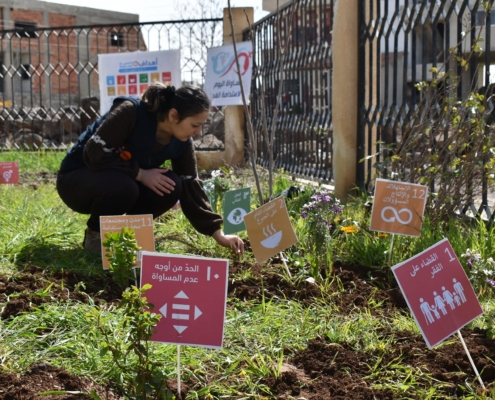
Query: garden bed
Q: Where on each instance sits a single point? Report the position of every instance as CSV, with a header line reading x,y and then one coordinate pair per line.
x,y
323,370
344,334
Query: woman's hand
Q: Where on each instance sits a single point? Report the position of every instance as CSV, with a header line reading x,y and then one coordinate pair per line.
x,y
155,180
233,242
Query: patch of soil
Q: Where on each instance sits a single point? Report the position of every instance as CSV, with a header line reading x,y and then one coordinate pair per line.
x,y
43,377
34,287
35,179
351,289
326,370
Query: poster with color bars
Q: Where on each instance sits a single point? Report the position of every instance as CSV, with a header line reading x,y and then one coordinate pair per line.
x,y
130,74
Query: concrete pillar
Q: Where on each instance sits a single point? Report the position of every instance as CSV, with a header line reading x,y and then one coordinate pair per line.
x,y
234,115
344,95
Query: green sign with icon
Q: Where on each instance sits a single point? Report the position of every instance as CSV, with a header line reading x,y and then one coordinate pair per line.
x,y
236,204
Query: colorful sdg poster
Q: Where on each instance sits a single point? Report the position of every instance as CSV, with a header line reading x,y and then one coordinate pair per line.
x,y
236,204
130,74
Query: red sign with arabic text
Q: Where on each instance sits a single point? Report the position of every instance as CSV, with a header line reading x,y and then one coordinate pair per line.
x,y
9,173
438,292
190,293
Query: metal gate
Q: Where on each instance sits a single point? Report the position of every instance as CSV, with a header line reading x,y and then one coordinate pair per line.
x,y
297,40
406,43
49,89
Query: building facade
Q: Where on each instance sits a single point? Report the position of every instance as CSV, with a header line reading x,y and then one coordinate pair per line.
x,y
48,53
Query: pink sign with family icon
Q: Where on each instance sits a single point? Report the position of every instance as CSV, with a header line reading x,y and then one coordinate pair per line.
x,y
190,293
438,292
9,173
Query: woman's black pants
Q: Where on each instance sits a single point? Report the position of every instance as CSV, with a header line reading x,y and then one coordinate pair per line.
x,y
112,192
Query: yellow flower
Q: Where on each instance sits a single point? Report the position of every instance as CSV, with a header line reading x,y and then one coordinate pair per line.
x,y
349,229
382,235
242,373
336,220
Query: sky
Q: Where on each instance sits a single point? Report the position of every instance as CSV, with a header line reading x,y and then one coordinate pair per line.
x,y
158,10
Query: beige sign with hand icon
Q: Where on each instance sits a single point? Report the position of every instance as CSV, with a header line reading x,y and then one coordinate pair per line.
x,y
269,229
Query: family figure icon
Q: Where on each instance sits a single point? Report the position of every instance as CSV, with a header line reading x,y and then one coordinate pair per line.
x,y
447,298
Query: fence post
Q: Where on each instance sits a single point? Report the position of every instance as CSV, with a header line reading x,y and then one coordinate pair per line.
x,y
8,84
344,95
234,115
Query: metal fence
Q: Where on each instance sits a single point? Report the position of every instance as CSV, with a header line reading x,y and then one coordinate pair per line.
x,y
292,71
49,89
403,42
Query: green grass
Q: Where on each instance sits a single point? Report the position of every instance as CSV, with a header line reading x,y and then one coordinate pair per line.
x,y
34,161
37,228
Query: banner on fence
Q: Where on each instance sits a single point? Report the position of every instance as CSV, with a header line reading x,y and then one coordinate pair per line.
x,y
438,292
222,80
398,207
130,74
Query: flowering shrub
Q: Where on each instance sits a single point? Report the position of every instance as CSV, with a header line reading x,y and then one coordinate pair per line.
x,y
319,215
480,271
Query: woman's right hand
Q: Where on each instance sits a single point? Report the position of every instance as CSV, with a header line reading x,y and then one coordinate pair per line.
x,y
155,180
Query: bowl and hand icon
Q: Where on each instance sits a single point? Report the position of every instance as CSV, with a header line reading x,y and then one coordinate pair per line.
x,y
273,237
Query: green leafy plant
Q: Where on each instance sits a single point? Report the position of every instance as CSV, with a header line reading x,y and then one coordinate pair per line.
x,y
142,376
319,215
221,184
121,252
481,272
447,143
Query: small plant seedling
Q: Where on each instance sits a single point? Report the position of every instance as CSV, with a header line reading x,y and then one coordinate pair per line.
x,y
121,251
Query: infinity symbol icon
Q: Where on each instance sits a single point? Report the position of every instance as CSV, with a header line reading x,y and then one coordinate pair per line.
x,y
396,213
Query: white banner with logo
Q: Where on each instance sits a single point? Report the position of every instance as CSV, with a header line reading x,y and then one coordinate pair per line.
x,y
222,81
130,74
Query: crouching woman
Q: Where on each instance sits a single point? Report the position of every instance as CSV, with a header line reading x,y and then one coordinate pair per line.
x,y
115,166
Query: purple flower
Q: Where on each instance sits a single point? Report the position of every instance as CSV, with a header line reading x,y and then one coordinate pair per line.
x,y
491,282
319,208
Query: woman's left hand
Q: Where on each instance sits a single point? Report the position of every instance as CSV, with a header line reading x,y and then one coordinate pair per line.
x,y
233,242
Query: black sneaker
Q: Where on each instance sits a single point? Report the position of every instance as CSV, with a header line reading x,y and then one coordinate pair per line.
x,y
92,241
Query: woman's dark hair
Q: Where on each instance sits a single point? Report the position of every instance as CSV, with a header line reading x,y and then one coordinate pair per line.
x,y
187,100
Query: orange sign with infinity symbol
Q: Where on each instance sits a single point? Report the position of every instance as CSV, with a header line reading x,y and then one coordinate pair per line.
x,y
398,207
